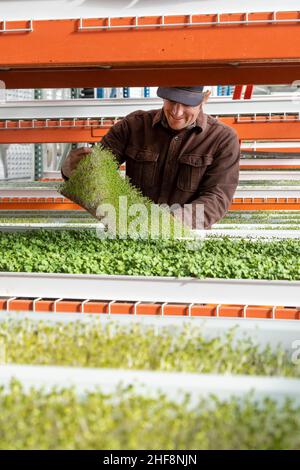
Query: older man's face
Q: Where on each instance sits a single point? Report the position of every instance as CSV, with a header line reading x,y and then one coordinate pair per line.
x,y
179,115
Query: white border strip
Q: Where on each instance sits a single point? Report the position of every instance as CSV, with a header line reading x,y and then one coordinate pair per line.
x,y
150,289
253,175
232,232
120,107
173,384
267,235
242,191
31,192
23,227
267,191
60,9
275,162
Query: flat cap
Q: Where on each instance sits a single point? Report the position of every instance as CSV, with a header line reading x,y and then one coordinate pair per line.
x,y
190,96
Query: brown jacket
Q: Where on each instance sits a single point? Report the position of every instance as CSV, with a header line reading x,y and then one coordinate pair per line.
x,y
198,165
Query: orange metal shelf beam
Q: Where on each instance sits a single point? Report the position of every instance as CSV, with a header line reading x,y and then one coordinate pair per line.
x,y
52,204
282,166
254,204
127,308
259,73
265,128
51,130
271,150
240,48
60,203
92,130
52,180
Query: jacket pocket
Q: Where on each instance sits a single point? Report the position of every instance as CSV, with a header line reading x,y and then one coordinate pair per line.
x,y
141,166
191,170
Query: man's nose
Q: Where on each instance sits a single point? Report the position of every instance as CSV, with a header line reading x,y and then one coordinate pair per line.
x,y
177,109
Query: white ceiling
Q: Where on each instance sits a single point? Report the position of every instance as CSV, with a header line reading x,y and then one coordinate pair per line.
x,y
59,9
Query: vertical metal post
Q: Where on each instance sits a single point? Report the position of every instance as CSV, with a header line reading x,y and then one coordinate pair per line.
x,y
38,94
100,93
38,161
75,92
237,94
126,92
248,92
3,158
38,148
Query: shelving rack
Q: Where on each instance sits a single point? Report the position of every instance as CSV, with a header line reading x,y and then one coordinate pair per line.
x,y
89,46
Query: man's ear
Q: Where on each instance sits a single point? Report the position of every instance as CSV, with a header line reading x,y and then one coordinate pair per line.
x,y
206,96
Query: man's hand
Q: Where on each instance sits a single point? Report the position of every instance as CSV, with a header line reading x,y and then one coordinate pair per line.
x,y
73,159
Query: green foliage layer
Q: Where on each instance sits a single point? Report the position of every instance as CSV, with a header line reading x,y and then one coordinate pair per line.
x,y
83,252
136,347
126,421
97,185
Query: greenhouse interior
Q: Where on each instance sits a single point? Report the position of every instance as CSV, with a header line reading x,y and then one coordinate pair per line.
x,y
149,225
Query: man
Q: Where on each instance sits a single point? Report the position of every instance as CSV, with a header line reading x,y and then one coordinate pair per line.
x,y
176,155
